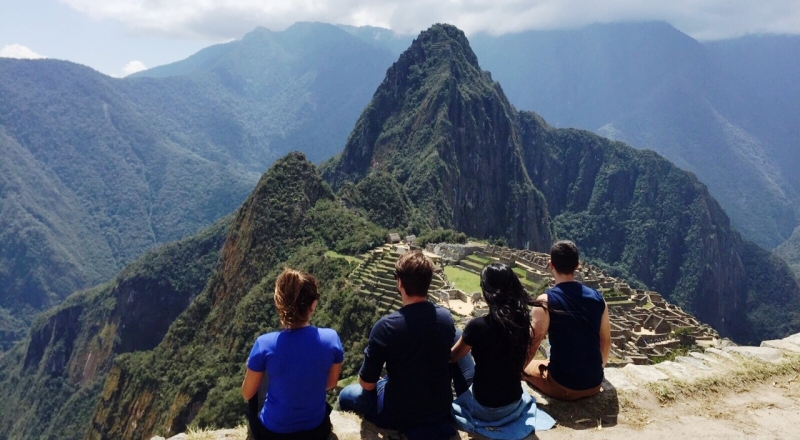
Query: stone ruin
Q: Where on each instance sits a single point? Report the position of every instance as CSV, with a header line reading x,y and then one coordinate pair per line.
x,y
643,324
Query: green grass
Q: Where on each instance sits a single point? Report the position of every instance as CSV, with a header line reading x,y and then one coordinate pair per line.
x,y
466,281
521,273
347,381
349,258
482,260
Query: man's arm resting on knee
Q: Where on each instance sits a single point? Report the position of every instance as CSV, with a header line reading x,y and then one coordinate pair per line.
x,y
605,336
374,357
367,386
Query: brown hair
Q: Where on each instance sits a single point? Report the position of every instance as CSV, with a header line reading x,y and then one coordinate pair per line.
x,y
565,257
295,291
415,271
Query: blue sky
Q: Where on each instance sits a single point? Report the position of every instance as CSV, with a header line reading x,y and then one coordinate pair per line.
x,y
117,37
55,30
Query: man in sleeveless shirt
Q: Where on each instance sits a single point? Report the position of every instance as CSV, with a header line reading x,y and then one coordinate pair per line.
x,y
576,318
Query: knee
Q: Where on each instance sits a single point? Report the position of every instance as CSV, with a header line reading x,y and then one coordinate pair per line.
x,y
349,397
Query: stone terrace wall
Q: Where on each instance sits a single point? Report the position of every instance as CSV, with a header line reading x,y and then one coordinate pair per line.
x,y
643,324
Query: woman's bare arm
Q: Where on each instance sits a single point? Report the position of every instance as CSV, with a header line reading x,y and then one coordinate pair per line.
x,y
540,323
251,383
333,375
459,350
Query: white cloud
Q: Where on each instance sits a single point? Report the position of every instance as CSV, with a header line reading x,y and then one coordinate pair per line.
x,y
133,67
19,51
222,19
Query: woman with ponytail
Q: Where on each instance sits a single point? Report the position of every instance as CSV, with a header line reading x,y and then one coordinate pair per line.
x,y
496,406
301,363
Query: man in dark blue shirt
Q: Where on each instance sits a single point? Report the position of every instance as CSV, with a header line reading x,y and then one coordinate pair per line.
x,y
413,344
576,319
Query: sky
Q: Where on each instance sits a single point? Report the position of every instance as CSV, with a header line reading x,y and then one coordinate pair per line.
x,y
119,37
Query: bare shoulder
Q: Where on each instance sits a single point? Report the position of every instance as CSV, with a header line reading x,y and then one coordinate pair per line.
x,y
542,297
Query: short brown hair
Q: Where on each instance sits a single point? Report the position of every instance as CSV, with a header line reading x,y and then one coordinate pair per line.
x,y
415,271
295,291
565,257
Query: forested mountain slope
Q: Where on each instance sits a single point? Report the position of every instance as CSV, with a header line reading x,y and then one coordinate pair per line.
x,y
96,170
291,218
50,382
729,111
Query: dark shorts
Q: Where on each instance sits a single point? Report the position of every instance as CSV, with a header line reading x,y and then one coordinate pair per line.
x,y
260,432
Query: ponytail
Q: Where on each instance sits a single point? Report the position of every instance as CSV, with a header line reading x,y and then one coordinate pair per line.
x,y
295,291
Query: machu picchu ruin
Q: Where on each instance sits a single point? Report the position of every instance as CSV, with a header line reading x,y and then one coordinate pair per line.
x,y
645,328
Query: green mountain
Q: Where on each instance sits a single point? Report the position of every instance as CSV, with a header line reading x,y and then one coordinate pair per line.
x,y
470,161
94,170
51,381
727,111
291,218
789,251
444,131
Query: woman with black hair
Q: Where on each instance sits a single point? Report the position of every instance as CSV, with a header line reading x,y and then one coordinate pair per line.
x,y
496,406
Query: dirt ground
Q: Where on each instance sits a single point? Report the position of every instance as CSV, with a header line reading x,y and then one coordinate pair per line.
x,y
764,411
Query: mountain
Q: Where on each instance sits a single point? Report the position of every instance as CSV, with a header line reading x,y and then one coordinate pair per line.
x,y
469,160
291,218
725,110
51,381
95,170
443,130
436,125
789,251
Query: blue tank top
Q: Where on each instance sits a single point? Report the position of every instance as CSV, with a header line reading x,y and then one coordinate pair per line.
x,y
575,314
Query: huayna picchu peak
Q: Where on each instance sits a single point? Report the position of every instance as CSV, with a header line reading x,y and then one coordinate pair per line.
x,y
446,132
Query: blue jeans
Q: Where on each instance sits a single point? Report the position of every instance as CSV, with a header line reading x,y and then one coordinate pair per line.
x,y
367,403
370,403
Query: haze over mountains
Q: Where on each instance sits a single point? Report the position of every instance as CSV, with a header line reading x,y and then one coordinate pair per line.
x,y
426,142
95,170
729,111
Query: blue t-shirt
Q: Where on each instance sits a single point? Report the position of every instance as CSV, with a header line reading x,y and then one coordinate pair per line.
x,y
297,362
575,314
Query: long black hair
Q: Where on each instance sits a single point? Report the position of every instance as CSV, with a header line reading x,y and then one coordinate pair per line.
x,y
509,307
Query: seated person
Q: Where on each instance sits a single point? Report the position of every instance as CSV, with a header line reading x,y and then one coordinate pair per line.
x,y
301,361
413,344
576,318
496,406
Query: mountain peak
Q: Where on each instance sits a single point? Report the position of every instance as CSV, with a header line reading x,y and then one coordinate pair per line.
x,y
443,41
444,130
440,42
